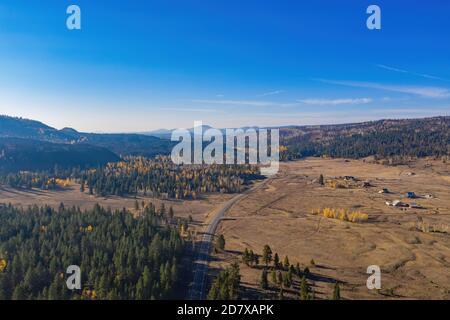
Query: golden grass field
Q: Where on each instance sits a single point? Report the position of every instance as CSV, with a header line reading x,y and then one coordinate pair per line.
x,y
414,264
71,196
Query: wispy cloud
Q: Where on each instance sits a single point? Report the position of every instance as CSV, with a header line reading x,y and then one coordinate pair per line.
x,y
250,103
235,102
272,93
391,99
297,103
423,75
343,116
195,110
423,91
336,102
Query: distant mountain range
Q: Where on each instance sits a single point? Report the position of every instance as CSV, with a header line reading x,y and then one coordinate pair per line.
x,y
29,145
167,133
120,143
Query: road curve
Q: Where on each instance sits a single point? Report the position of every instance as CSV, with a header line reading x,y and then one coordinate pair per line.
x,y
198,288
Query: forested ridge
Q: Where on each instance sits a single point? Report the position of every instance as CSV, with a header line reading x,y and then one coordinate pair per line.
x,y
384,138
31,145
121,256
158,177
161,176
18,154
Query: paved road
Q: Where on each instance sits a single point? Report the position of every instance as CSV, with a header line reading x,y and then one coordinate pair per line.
x,y
198,289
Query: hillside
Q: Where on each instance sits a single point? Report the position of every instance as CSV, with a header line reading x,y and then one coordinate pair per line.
x,y
30,129
383,138
45,146
128,144
27,154
121,144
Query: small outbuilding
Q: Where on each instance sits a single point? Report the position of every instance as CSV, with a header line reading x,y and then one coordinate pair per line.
x,y
398,203
410,195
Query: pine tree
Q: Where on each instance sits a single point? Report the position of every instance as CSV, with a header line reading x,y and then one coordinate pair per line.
x,y
321,180
220,243
276,261
281,294
19,293
162,210
246,257
298,271
291,269
274,277
186,227
306,271
280,278
139,295
264,282
304,289
267,255
336,292
53,291
171,214
226,285
254,258
286,262
136,205
290,275
286,280
5,286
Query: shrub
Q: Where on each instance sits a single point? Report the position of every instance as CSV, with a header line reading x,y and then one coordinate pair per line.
x,y
342,214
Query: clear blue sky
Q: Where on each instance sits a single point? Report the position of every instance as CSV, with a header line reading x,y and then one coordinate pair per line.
x,y
142,65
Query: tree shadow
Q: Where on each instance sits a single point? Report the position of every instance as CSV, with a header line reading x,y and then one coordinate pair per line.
x,y
320,278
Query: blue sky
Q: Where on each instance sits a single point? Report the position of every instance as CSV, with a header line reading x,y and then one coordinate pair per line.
x,y
143,65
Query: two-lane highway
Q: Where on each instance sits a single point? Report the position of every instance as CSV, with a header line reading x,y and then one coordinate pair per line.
x,y
198,288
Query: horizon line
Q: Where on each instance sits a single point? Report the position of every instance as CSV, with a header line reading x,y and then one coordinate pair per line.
x,y
150,132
